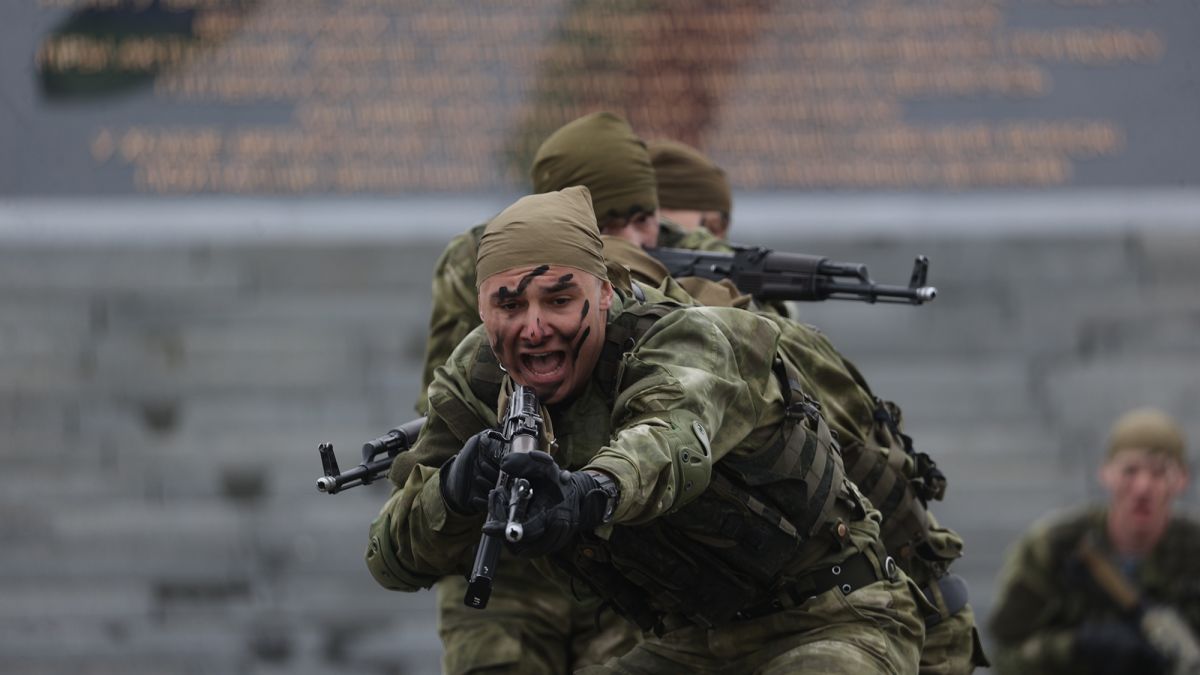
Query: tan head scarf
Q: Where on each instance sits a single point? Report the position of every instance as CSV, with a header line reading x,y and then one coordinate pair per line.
x,y
599,151
1148,429
687,180
555,228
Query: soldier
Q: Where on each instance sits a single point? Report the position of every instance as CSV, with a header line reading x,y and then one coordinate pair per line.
x,y
1109,589
603,153
693,484
879,459
693,192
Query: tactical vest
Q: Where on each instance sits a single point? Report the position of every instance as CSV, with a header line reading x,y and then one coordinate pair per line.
x,y
742,539
895,478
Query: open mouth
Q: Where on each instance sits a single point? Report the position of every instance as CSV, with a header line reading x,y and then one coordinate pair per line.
x,y
543,365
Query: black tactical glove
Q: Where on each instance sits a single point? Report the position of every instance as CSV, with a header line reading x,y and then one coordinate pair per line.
x,y
467,477
564,503
1116,647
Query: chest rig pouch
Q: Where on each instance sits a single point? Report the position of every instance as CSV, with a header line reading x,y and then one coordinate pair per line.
x,y
738,543
899,481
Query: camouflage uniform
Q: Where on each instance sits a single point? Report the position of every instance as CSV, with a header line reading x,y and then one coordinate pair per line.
x,y
539,629
671,235
876,459
879,463
1046,592
565,631
455,311
703,379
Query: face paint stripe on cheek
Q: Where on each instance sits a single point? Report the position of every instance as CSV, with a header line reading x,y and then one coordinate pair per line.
x,y
579,345
586,307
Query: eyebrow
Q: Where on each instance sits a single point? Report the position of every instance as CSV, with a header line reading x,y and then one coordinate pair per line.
x,y
563,284
504,294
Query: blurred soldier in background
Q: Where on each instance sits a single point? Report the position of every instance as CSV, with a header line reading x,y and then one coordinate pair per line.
x,y
693,192
601,150
1112,589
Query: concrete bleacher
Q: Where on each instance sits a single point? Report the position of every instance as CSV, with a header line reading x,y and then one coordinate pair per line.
x,y
161,404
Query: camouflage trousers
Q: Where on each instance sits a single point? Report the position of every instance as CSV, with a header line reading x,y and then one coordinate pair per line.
x,y
530,627
952,647
875,629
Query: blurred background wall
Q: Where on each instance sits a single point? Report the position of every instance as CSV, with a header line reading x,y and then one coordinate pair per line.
x,y
218,219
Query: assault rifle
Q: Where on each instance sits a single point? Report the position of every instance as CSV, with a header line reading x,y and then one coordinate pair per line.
x,y
390,444
521,431
773,275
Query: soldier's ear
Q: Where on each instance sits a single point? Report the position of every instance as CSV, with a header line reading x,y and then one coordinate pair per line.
x,y
606,294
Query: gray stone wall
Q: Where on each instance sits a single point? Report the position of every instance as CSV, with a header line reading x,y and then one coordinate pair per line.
x,y
161,404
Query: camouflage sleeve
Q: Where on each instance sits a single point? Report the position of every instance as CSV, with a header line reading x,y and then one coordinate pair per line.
x,y
693,390
703,240
1026,640
454,311
671,235
415,540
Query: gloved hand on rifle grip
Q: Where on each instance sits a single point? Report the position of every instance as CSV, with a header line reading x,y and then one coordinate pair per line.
x,y
1115,647
564,504
466,478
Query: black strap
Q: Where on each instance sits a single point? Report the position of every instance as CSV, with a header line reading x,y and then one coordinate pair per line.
x,y
848,576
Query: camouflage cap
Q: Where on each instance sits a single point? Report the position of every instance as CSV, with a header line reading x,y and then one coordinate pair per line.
x,y
1148,429
555,228
599,151
689,180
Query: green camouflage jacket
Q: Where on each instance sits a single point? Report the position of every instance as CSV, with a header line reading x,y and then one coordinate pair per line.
x,y
699,376
671,235
1046,592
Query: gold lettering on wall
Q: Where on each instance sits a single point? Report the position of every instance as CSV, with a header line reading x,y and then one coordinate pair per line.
x,y
393,96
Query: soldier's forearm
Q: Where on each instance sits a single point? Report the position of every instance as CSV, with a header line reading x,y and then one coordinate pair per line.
x,y
416,539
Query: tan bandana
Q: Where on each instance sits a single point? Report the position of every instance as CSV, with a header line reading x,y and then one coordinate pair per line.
x,y
555,228
687,180
601,152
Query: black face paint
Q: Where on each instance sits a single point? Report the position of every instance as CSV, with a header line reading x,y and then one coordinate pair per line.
x,y
586,306
563,283
504,293
528,278
579,345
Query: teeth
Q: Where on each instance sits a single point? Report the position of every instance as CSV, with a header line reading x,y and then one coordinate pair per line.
x,y
544,362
